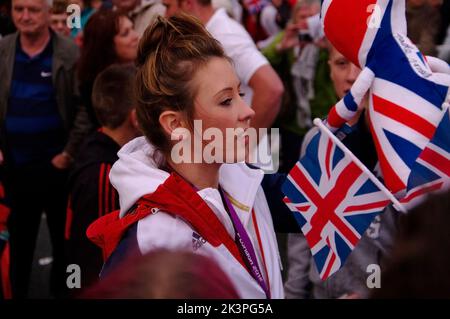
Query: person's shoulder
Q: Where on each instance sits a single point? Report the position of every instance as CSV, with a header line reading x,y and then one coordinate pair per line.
x,y
97,141
8,41
66,46
222,24
163,230
98,148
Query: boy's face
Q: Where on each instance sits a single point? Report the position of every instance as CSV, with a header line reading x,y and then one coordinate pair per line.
x,y
343,73
58,23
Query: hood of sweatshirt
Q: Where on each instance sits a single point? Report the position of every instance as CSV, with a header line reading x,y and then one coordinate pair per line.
x,y
138,179
136,174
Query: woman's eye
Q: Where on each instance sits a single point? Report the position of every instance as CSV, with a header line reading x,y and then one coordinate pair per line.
x,y
226,102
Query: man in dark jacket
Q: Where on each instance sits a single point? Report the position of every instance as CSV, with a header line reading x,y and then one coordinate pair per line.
x,y
42,125
91,193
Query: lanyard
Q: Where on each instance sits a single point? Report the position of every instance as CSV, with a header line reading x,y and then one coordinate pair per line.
x,y
242,241
245,246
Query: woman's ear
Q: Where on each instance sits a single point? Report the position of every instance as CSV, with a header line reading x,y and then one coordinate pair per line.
x,y
171,120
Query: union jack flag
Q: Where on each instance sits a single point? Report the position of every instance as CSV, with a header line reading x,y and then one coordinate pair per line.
x,y
406,97
334,202
254,6
431,171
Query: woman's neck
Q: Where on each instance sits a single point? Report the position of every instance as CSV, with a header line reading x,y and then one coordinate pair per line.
x,y
200,175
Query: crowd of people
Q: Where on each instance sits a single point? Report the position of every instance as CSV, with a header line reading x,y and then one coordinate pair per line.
x,y
87,118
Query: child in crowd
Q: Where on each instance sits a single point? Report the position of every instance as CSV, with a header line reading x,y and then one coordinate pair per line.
x,y
91,193
58,17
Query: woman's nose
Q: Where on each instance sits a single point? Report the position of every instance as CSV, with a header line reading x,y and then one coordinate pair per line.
x,y
247,112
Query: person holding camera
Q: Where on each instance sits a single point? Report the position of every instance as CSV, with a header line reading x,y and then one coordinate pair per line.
x,y
304,44
299,57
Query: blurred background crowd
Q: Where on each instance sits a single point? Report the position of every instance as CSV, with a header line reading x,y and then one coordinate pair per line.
x,y
303,76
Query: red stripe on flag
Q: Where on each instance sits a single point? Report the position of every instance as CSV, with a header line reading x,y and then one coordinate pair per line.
x,y
335,197
327,158
334,119
355,208
303,208
326,207
344,230
391,179
404,116
330,262
422,191
437,160
313,236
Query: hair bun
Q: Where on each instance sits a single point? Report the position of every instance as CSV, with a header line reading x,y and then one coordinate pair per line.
x,y
150,40
165,32
170,52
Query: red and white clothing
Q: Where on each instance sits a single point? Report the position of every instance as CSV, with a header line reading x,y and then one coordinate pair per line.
x,y
135,175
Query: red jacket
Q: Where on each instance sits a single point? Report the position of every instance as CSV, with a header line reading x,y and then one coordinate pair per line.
x,y
176,197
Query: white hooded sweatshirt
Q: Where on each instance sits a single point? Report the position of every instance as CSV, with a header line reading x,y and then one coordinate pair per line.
x,y
135,174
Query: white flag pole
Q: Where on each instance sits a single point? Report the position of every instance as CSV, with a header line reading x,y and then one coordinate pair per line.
x,y
318,122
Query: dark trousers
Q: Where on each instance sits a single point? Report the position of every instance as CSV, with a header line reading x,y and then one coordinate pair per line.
x,y
34,189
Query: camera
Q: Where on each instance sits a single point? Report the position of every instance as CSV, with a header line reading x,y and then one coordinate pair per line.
x,y
304,36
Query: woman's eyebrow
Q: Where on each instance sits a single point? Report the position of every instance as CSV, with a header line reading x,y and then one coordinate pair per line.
x,y
228,89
